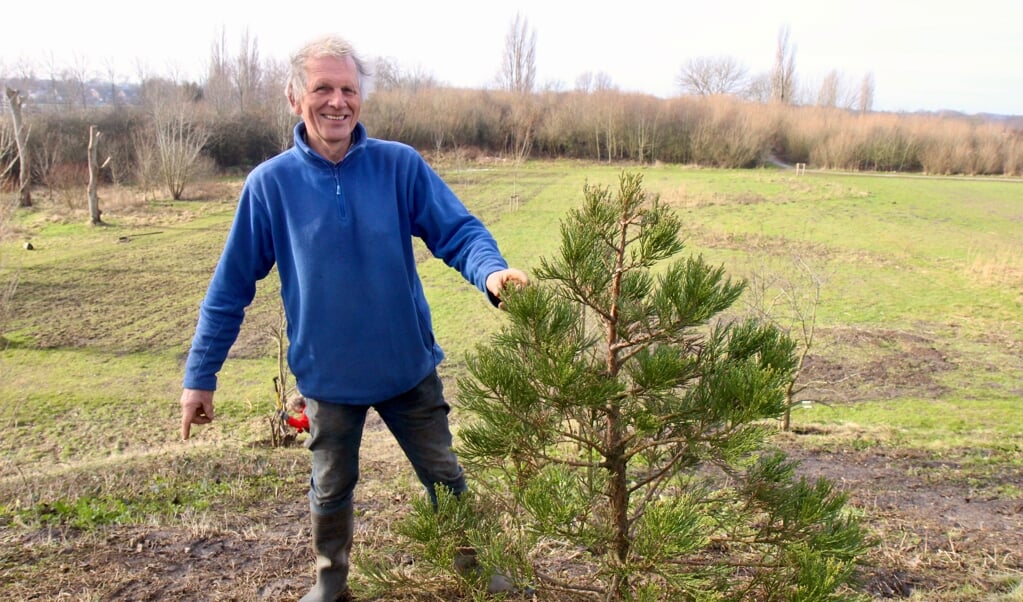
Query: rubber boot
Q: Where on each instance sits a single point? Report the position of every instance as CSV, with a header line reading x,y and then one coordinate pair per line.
x,y
468,566
332,544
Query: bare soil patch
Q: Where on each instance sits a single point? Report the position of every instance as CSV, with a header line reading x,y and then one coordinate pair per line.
x,y
935,532
862,364
937,525
940,522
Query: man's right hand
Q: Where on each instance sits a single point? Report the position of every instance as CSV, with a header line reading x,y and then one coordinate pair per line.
x,y
196,408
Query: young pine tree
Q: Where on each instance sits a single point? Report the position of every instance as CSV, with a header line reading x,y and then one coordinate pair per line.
x,y
620,421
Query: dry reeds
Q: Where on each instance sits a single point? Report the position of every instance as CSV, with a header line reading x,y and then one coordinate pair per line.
x,y
717,131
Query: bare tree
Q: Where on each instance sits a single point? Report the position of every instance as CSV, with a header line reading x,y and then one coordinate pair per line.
x,y
707,76
76,80
280,434
641,128
835,91
15,102
602,82
178,135
828,94
56,93
143,72
518,75
48,159
610,114
449,117
584,82
526,116
590,81
388,74
278,110
248,72
110,69
866,99
758,88
218,84
518,67
146,164
19,70
783,78
790,300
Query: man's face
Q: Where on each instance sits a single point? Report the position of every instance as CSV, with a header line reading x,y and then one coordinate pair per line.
x,y
330,106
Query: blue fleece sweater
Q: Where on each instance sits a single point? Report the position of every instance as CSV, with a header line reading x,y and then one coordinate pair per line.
x,y
340,234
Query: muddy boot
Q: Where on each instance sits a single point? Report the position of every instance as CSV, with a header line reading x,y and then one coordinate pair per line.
x,y
332,543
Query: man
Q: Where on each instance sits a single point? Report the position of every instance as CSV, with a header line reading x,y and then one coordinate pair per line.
x,y
336,213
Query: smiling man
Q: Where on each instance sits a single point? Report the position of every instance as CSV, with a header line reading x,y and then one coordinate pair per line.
x,y
328,99
336,214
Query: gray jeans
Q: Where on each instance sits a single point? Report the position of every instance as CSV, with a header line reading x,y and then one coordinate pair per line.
x,y
418,419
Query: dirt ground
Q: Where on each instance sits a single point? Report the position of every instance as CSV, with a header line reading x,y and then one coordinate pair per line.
x,y
941,527
935,534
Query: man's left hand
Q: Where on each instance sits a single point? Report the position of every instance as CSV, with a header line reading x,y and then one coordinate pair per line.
x,y
501,279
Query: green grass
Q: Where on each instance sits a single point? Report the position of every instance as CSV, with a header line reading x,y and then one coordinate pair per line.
x,y
922,312
96,333
102,317
926,423
901,248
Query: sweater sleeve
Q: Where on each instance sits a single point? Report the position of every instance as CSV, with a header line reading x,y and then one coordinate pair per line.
x,y
246,258
451,232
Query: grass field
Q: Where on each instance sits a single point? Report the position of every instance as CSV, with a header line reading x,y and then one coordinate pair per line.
x,y
918,370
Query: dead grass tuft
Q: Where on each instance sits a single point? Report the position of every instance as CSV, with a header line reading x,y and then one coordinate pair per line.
x,y
997,267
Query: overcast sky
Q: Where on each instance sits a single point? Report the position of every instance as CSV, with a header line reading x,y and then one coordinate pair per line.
x,y
923,54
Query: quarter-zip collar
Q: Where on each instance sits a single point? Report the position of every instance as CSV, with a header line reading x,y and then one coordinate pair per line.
x,y
358,142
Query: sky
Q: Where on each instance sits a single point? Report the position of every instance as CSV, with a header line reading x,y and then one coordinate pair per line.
x,y
924,55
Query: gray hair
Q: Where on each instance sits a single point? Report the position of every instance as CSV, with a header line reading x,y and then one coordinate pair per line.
x,y
324,46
